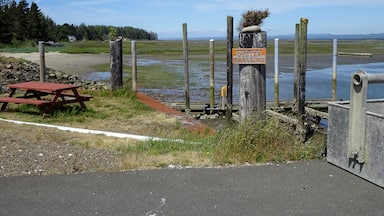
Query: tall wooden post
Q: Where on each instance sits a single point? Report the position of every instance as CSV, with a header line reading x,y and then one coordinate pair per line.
x,y
334,66
302,71
212,74
116,64
296,70
134,66
186,69
228,113
252,98
42,60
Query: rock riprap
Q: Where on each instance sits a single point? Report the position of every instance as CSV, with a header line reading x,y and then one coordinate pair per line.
x,y
15,72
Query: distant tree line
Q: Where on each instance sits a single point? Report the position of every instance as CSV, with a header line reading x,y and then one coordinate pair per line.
x,y
20,22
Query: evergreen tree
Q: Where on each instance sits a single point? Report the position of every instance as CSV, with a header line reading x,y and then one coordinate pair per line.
x,y
35,24
4,3
19,22
20,26
5,25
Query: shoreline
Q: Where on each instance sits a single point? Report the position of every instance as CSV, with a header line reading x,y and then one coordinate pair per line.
x,y
83,64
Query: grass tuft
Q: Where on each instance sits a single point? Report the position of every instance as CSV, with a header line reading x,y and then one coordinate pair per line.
x,y
259,142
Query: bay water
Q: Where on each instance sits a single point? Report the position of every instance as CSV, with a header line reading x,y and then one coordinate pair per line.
x,y
318,81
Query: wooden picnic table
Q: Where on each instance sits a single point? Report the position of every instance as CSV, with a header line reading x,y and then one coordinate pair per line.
x,y
58,95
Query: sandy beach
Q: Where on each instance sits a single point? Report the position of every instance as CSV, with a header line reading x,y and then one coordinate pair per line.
x,y
77,64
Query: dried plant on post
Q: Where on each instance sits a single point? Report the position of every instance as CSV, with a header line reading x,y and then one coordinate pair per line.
x,y
252,19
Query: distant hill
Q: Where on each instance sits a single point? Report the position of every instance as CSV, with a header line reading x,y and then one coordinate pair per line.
x,y
378,36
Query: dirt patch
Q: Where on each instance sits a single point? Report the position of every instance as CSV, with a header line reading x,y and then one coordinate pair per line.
x,y
187,121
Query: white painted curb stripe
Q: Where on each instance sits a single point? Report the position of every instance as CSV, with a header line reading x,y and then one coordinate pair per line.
x,y
106,133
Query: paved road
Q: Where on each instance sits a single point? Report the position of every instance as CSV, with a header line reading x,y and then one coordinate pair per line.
x,y
304,188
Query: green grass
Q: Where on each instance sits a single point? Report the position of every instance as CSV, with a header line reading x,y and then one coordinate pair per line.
x,y
162,147
252,142
260,142
198,49
263,141
104,105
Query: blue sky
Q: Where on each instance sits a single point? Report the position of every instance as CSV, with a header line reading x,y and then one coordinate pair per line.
x,y
208,18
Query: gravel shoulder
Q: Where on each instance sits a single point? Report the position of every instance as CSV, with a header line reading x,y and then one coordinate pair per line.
x,y
31,150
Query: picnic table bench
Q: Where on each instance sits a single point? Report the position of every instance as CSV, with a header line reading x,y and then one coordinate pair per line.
x,y
59,93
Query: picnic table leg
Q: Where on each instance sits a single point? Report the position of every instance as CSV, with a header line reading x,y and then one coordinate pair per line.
x,y
6,103
79,98
4,106
47,109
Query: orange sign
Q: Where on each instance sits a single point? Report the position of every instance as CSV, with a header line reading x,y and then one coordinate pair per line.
x,y
249,56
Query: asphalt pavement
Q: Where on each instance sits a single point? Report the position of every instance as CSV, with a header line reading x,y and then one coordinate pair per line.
x,y
302,188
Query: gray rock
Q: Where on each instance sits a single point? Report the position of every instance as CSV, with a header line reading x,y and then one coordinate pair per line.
x,y
15,72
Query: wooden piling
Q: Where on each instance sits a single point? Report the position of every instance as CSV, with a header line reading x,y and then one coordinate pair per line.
x,y
212,74
42,60
229,68
252,97
296,70
302,70
134,66
186,69
116,65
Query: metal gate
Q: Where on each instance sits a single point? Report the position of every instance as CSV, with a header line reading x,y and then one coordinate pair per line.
x,y
356,131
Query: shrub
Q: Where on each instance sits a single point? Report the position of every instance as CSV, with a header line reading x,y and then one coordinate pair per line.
x,y
253,17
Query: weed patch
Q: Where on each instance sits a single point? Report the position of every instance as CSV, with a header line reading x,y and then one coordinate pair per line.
x,y
259,142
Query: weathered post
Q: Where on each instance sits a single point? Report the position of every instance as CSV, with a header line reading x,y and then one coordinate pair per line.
x,y
212,74
42,60
116,63
276,72
296,70
134,66
334,66
186,69
252,98
302,72
228,113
